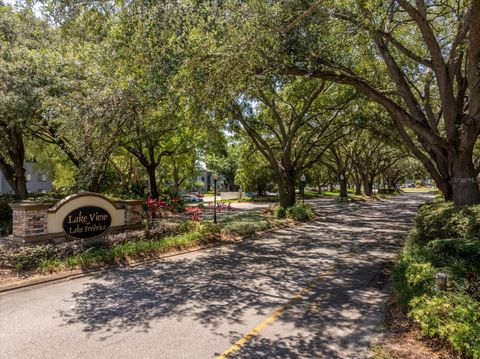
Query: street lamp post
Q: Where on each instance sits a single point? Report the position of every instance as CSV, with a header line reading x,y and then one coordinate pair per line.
x,y
303,179
343,193
215,179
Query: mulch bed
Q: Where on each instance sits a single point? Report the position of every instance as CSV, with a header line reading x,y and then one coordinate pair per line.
x,y
403,339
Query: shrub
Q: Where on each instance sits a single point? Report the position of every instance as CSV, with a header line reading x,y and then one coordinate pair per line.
x,y
280,212
300,212
465,250
446,239
178,205
189,226
445,220
50,197
30,257
420,277
68,249
413,275
244,228
451,316
164,229
209,229
5,257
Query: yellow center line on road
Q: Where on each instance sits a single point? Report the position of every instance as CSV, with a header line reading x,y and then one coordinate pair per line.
x,y
271,318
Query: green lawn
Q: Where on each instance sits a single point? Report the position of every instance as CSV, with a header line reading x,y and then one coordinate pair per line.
x,y
247,223
420,189
336,192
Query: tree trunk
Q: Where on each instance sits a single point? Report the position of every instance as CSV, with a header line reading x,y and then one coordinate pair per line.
x,y
152,179
175,188
465,181
16,179
286,191
390,182
358,188
95,179
445,187
96,176
261,189
343,186
176,181
94,186
21,183
367,187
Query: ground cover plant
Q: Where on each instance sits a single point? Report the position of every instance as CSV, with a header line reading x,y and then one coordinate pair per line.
x,y
300,212
446,239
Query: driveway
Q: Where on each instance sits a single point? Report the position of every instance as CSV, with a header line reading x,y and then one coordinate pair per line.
x,y
313,291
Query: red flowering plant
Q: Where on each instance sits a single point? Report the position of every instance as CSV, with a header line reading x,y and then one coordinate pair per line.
x,y
194,213
158,207
223,207
153,207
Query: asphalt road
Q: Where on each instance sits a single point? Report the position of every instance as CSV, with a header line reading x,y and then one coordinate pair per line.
x,y
313,291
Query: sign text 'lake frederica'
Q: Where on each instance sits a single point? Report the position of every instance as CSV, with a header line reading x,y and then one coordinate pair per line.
x,y
87,222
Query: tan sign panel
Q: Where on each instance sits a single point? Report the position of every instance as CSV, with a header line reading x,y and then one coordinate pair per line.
x,y
85,215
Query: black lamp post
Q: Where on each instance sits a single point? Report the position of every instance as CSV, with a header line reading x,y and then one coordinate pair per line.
x,y
343,186
303,179
215,179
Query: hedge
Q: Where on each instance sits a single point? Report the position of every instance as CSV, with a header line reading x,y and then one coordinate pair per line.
x,y
446,239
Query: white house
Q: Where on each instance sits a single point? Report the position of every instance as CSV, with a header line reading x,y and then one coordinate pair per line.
x,y
37,181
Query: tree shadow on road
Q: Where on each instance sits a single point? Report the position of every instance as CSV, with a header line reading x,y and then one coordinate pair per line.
x,y
221,285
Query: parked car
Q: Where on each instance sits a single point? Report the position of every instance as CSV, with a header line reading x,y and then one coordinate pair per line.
x,y
191,198
271,193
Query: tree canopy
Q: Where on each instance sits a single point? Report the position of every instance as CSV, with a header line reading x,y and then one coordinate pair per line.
x,y
305,85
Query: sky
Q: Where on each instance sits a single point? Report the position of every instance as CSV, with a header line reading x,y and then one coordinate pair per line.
x,y
12,2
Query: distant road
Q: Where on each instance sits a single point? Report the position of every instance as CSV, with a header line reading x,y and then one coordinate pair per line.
x,y
313,291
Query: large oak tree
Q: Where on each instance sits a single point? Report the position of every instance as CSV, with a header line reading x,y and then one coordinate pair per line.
x,y
291,123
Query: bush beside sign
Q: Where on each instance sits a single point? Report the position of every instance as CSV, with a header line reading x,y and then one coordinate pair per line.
x,y
87,222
